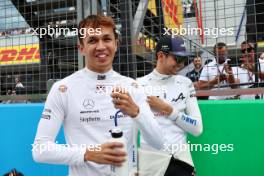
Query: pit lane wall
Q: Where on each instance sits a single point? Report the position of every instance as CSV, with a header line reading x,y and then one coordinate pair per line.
x,y
230,145
18,126
239,123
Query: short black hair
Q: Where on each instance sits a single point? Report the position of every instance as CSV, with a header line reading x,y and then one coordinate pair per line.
x,y
219,46
248,42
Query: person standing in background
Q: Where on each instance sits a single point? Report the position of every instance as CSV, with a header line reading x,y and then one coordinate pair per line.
x,y
194,75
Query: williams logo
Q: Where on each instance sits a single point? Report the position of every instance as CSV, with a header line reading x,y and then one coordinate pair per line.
x,y
100,89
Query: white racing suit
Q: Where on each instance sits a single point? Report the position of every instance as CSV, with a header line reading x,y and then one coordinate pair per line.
x,y
82,104
178,91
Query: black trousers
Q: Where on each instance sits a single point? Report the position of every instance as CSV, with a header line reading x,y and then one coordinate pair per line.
x,y
179,168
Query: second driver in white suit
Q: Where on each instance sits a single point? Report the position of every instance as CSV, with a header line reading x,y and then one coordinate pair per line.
x,y
173,102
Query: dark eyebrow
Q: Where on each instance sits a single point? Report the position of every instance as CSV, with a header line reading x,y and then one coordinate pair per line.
x,y
96,37
106,35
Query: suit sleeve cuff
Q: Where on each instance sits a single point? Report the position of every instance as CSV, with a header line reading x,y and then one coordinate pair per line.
x,y
82,152
174,115
138,118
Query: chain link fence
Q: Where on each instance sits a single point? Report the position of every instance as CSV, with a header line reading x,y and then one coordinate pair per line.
x,y
35,51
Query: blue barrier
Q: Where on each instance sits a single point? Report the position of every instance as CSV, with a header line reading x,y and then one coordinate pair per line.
x,y
225,122
18,125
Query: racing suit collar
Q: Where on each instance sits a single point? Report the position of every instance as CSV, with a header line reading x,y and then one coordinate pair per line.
x,y
160,76
98,76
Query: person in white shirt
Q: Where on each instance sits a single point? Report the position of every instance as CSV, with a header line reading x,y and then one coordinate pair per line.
x,y
85,104
18,83
19,88
174,104
217,74
261,62
245,73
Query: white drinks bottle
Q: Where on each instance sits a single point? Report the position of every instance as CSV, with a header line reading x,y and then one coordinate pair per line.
x,y
117,136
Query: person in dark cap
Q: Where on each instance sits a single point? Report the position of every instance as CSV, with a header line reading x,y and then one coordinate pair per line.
x,y
175,107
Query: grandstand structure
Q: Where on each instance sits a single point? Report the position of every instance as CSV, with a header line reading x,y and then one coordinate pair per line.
x,y
39,61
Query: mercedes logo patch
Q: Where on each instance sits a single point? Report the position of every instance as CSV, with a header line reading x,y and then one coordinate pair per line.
x,y
88,104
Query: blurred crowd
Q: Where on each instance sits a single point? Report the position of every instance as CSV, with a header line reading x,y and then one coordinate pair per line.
x,y
18,89
220,73
18,31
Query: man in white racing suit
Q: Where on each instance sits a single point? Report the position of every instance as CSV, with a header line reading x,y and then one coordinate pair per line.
x,y
85,104
172,99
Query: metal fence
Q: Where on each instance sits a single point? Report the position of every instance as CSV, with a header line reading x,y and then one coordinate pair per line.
x,y
30,62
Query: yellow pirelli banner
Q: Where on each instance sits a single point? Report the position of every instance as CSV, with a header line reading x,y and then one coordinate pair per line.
x,y
21,54
173,13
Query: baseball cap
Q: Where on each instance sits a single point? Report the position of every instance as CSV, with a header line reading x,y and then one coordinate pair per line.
x,y
173,45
